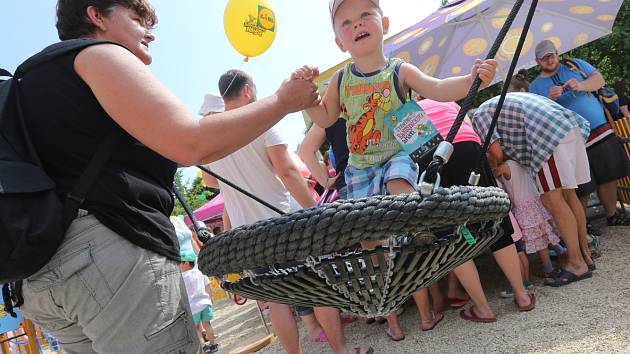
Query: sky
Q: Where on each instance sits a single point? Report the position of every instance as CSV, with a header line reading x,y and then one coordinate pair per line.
x,y
191,50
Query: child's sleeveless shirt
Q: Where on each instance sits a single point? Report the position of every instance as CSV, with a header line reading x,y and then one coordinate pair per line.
x,y
366,99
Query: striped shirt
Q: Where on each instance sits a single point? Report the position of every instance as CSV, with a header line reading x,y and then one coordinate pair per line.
x,y
530,127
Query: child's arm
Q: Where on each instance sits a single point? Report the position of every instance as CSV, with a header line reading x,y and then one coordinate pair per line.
x,y
327,111
495,152
449,89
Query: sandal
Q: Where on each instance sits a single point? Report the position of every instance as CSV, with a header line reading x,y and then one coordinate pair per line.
x,y
357,350
380,320
565,277
456,303
347,318
320,338
437,318
531,306
389,334
472,316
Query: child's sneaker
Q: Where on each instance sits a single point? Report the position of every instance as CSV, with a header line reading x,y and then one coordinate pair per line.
x,y
509,293
210,347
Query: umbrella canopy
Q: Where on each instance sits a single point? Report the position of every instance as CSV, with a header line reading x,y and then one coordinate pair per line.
x,y
210,210
448,41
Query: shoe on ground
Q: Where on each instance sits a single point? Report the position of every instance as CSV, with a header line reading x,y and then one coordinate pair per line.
x,y
593,230
618,220
508,293
210,348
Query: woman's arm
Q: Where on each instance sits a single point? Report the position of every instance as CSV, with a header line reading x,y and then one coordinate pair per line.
x,y
146,109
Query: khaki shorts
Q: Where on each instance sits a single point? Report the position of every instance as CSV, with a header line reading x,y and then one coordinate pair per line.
x,y
102,294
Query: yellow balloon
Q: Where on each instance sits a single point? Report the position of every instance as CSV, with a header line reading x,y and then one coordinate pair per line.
x,y
250,26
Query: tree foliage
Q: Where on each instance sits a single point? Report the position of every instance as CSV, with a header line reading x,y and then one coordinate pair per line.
x,y
193,192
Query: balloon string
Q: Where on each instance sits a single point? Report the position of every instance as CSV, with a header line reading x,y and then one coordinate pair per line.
x,y
234,78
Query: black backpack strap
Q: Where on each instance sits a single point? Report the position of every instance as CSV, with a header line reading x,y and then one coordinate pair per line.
x,y
55,51
75,198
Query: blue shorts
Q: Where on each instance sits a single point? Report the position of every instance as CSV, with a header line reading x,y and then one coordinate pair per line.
x,y
366,182
204,315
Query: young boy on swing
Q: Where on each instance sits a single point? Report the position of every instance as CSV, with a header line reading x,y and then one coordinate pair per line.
x,y
365,92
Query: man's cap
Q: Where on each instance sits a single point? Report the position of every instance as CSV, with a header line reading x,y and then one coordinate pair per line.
x,y
188,256
545,47
334,5
212,103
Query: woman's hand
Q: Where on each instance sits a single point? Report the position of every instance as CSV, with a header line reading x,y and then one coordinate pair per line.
x,y
297,95
486,69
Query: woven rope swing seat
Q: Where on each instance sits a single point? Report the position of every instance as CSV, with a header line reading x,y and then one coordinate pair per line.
x,y
312,257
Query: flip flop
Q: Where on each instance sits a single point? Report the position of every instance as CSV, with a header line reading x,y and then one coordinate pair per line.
x,y
389,334
320,338
381,320
347,318
592,266
456,303
565,277
473,316
531,306
357,350
437,318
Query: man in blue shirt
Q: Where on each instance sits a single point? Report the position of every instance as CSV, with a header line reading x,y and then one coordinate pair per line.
x,y
608,162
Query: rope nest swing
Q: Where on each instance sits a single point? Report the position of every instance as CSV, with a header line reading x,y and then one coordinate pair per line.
x,y
312,257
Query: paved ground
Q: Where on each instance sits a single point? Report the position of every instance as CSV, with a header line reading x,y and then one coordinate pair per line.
x,y
591,316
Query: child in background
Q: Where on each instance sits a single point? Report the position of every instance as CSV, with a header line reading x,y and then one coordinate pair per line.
x,y
532,217
366,91
198,289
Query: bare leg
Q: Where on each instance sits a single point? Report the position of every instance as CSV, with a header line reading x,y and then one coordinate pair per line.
x,y
546,260
469,278
454,291
421,298
312,326
209,332
330,321
580,218
524,265
607,194
567,225
508,261
437,297
285,327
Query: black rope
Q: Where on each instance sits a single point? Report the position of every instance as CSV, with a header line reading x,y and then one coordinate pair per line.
x,y
436,165
506,85
204,169
203,234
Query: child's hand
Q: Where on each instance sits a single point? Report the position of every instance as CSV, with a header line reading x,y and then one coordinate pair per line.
x,y
486,69
307,72
503,170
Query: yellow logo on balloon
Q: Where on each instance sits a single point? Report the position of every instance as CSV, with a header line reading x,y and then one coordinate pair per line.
x,y
250,26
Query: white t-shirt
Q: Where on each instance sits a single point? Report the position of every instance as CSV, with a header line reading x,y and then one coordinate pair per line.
x,y
521,187
251,169
196,284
